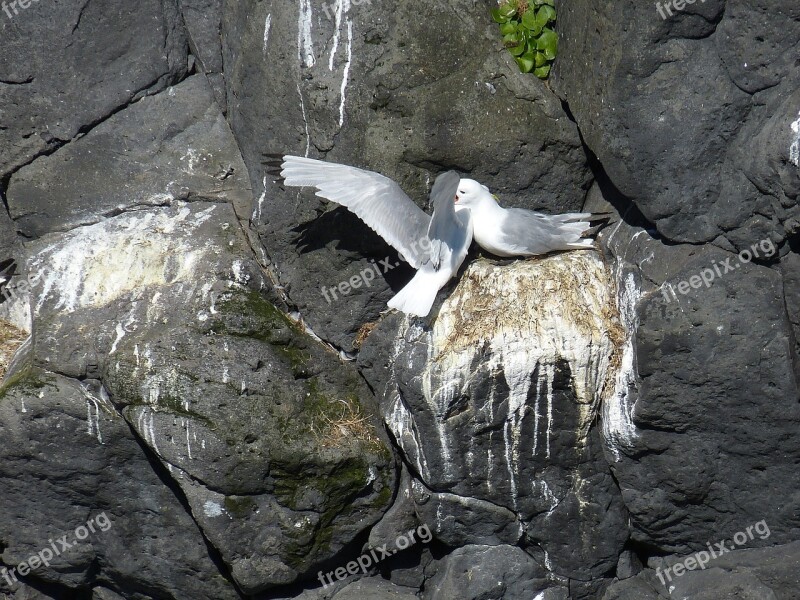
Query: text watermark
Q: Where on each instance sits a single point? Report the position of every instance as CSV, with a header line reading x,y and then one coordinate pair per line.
x,y
718,269
702,558
365,561
16,5
367,276
57,548
678,5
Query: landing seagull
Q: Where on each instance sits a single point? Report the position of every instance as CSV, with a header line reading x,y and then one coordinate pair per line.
x,y
435,246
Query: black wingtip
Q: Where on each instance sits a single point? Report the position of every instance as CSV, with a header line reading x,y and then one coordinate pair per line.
x,y
595,229
600,218
273,162
8,267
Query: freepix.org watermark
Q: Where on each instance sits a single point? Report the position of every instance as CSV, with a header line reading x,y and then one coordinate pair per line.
x,y
702,558
22,286
365,561
707,276
678,5
368,275
365,277
57,547
16,5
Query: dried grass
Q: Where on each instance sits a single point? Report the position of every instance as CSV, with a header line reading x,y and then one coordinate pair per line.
x,y
11,338
341,429
363,333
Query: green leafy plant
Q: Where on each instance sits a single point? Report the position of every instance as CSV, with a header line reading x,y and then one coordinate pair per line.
x,y
527,35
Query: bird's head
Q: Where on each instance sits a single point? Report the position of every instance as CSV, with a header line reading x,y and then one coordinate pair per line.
x,y
472,194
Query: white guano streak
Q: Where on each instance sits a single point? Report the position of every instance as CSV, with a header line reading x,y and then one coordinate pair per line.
x,y
267,26
261,199
550,370
342,7
305,48
346,73
305,119
618,427
794,149
93,420
97,264
543,325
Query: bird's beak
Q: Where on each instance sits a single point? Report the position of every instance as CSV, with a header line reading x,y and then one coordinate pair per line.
x,y
456,199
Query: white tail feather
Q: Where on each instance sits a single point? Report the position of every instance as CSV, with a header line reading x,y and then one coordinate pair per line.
x,y
584,243
418,296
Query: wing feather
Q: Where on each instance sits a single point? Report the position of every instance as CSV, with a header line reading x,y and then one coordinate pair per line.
x,y
528,233
373,198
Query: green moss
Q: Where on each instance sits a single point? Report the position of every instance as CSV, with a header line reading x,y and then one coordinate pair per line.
x,y
248,314
325,413
239,506
384,496
28,380
263,317
338,488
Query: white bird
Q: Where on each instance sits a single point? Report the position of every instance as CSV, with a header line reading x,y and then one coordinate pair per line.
x,y
521,232
435,246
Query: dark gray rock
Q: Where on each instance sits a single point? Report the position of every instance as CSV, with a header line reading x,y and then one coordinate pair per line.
x,y
203,19
25,592
270,438
739,573
631,589
790,269
459,520
69,458
374,589
628,565
488,573
499,432
399,519
101,593
373,88
714,416
9,242
701,426
89,60
690,115
764,573
408,569
169,147
172,383
11,254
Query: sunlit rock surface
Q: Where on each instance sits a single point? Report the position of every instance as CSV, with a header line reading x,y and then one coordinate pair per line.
x,y
170,380
264,435
494,405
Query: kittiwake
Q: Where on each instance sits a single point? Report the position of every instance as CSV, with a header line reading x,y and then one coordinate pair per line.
x,y
521,232
435,246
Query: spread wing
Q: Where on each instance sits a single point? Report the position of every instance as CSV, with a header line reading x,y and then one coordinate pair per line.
x,y
373,198
445,229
